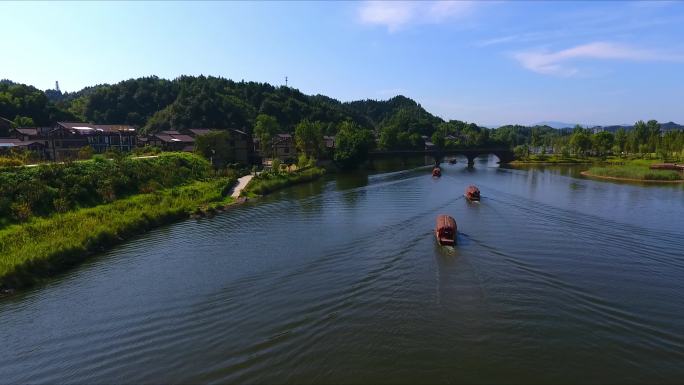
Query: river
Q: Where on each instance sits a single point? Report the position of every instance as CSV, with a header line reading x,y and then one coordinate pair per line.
x,y
555,278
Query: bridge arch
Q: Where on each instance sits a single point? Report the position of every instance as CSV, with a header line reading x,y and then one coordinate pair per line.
x,y
505,155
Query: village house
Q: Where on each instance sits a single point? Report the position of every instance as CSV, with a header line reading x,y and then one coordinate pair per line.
x,y
282,146
328,147
240,142
172,140
5,126
67,138
37,147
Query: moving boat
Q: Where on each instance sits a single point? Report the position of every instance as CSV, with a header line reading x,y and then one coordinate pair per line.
x,y
437,172
472,193
445,230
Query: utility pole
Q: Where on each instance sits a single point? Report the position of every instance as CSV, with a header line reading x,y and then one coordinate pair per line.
x,y
285,81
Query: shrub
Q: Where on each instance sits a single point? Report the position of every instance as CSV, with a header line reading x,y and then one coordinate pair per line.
x,y
56,187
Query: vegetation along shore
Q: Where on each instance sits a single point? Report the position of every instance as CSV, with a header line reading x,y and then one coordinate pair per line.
x,y
47,229
637,170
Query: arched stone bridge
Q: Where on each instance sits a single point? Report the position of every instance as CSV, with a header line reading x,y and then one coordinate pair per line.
x,y
505,155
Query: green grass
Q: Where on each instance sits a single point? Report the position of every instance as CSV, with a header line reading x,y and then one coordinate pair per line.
x,y
41,247
553,159
270,182
635,169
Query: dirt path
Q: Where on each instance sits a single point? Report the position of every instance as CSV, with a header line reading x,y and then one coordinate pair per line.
x,y
242,183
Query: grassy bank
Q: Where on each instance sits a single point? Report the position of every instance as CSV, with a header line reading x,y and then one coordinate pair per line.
x,y
554,159
43,246
268,182
635,170
28,192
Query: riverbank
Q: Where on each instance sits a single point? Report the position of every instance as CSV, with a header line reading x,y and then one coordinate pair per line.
x,y
637,170
43,247
590,175
552,160
269,182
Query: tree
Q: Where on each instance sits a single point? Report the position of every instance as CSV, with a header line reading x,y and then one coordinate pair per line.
x,y
217,147
521,152
23,121
621,139
388,137
653,134
580,140
602,142
640,136
535,139
352,145
265,129
309,137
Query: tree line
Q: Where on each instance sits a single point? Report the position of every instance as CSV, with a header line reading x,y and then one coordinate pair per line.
x,y
154,104
642,138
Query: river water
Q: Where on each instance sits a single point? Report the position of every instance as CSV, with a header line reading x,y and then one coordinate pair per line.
x,y
555,278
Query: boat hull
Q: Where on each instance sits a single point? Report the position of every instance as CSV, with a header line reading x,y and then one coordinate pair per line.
x,y
446,230
472,193
436,172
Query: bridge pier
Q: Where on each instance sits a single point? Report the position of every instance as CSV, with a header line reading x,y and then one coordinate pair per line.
x,y
471,161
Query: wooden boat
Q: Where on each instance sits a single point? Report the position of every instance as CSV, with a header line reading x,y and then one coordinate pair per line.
x,y
445,230
667,166
472,193
436,172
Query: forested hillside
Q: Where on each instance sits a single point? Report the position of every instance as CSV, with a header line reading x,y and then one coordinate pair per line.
x,y
198,101
154,104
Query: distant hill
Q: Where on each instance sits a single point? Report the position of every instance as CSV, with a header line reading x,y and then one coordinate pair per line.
x,y
669,126
155,104
554,124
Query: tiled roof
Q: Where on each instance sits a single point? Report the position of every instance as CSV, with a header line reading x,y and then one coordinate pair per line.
x,y
164,136
31,131
17,143
115,127
89,129
200,131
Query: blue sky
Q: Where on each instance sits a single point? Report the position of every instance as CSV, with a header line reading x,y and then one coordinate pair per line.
x,y
485,62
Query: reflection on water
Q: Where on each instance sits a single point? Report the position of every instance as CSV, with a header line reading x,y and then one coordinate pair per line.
x,y
554,279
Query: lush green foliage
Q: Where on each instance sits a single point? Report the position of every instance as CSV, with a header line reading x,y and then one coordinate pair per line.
x,y
42,246
216,147
309,137
30,191
268,182
635,171
642,138
265,129
352,145
27,105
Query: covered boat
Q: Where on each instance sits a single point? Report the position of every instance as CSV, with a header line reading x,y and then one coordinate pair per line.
x,y
445,230
437,172
472,193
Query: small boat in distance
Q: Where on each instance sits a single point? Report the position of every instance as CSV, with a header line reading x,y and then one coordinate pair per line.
x,y
445,230
472,193
452,161
436,172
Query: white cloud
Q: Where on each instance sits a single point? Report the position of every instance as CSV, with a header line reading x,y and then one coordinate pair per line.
x,y
557,63
398,14
497,40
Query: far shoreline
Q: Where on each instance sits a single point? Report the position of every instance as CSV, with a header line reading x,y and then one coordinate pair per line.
x,y
590,175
